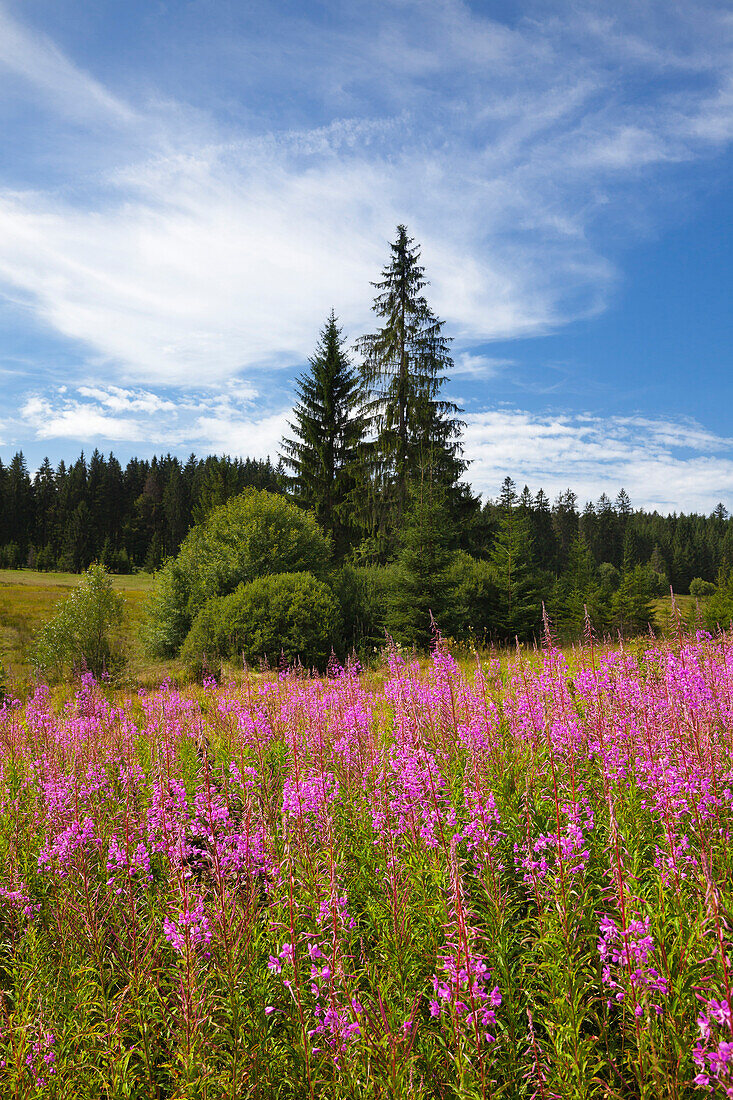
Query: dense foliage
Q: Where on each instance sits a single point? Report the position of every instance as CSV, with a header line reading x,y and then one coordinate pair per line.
x,y
78,638
125,518
283,618
134,518
253,535
511,880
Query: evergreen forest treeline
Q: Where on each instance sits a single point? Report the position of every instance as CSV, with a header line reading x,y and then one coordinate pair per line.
x,y
126,518
374,451
134,517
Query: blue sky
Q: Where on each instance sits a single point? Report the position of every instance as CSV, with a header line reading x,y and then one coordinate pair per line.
x,y
187,188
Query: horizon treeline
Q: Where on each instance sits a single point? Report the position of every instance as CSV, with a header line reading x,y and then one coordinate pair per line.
x,y
133,517
127,518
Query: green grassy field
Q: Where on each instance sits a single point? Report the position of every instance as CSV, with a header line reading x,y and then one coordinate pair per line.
x,y
663,611
28,599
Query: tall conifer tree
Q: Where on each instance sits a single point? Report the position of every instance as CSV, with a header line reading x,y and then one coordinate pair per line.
x,y
417,433
423,585
328,429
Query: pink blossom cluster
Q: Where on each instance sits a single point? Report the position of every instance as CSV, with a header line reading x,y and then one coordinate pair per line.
x,y
627,954
463,987
124,866
327,813
19,901
713,1053
190,929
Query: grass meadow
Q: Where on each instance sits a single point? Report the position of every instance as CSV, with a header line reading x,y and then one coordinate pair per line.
x,y
494,878
28,599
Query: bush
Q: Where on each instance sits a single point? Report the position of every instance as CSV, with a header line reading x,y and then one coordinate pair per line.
x,y
700,588
293,616
253,535
167,619
719,607
77,638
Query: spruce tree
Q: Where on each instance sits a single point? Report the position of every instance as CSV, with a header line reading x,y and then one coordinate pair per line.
x,y
423,585
519,610
579,593
78,551
416,432
543,532
633,609
328,429
18,503
565,523
44,493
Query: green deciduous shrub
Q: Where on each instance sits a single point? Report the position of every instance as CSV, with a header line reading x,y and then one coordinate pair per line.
x,y
168,619
78,637
290,616
700,588
253,535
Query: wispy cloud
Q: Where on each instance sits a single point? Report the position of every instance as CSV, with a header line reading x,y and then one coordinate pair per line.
x,y
66,88
664,463
123,400
204,248
670,465
479,366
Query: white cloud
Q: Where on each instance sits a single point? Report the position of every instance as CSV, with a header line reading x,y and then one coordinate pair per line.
x,y
68,89
663,463
76,420
251,436
479,366
197,253
122,400
650,458
229,421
